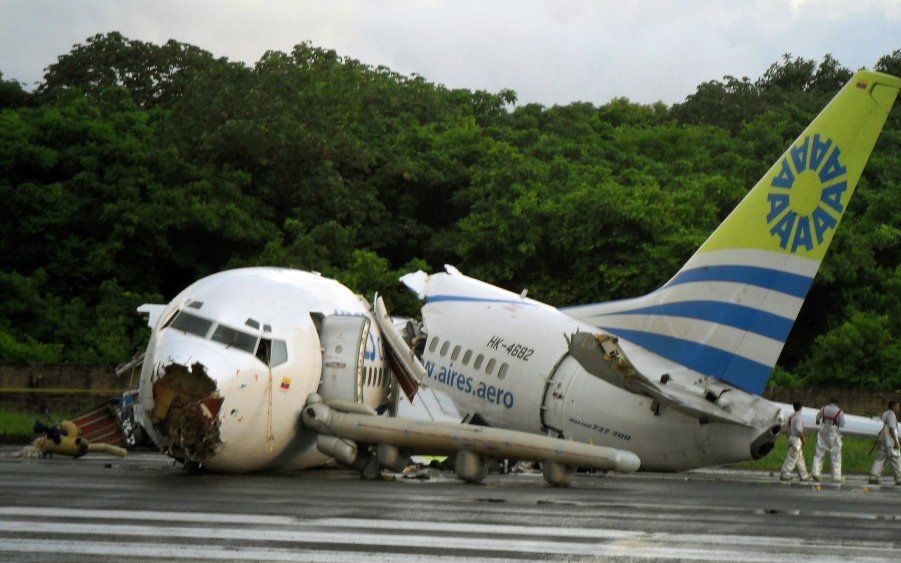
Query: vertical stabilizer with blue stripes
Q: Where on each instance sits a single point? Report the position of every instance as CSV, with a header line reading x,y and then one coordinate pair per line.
x,y
729,310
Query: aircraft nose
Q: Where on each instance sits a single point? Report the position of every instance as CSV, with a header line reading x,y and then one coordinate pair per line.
x,y
188,392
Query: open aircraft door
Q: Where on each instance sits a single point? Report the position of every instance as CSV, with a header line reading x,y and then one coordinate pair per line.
x,y
343,340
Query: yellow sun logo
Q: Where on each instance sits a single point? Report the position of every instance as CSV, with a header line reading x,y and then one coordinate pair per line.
x,y
811,182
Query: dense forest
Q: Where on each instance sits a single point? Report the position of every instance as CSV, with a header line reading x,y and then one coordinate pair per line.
x,y
133,169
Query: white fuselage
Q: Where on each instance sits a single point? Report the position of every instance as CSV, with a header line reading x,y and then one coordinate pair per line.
x,y
259,418
493,353
476,329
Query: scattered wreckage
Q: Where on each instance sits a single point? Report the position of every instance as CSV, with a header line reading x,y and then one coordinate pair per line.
x,y
111,428
66,438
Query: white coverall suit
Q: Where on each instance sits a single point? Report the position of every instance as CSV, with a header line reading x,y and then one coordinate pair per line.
x,y
887,451
794,459
829,439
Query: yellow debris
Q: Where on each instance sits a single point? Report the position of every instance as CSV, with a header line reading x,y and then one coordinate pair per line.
x,y
73,444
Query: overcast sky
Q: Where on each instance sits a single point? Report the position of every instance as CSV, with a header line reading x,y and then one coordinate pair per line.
x,y
547,51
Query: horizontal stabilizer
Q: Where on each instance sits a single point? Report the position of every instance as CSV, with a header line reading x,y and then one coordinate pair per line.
x,y
602,357
856,426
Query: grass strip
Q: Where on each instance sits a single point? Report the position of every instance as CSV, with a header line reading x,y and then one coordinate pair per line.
x,y
855,458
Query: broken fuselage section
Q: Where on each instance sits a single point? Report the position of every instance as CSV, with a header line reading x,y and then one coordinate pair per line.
x,y
185,412
232,359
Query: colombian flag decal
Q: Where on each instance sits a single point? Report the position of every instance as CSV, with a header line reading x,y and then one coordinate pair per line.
x,y
286,383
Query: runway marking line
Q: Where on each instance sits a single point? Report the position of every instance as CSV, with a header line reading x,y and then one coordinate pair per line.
x,y
311,531
203,517
195,551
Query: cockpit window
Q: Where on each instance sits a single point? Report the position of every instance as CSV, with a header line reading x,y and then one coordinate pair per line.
x,y
279,352
191,324
272,352
234,338
264,350
195,304
252,323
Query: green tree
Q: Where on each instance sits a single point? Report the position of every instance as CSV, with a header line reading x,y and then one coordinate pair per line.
x,y
135,169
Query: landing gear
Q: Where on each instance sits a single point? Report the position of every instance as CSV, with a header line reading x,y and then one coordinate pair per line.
x,y
470,467
556,473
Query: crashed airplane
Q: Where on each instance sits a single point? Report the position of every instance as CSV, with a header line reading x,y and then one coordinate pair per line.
x,y
270,368
267,368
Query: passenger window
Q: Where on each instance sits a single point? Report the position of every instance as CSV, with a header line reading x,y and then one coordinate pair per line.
x,y
444,348
490,367
502,372
466,357
456,353
478,363
433,345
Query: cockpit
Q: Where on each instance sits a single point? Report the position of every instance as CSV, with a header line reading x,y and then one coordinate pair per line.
x,y
271,351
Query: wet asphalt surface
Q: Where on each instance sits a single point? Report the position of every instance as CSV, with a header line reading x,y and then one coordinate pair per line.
x,y
144,507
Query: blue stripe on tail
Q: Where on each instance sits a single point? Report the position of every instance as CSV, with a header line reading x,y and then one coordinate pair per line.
x,y
776,280
729,314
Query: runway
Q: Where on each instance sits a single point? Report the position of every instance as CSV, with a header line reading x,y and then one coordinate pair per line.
x,y
143,507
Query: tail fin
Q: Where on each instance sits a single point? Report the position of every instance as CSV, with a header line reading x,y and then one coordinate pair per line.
x,y
729,310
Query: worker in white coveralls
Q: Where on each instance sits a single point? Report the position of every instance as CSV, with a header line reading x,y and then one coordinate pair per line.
x,y
888,449
794,459
829,439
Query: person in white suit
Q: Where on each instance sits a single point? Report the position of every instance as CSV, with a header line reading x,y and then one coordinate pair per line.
x,y
829,439
888,449
794,459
